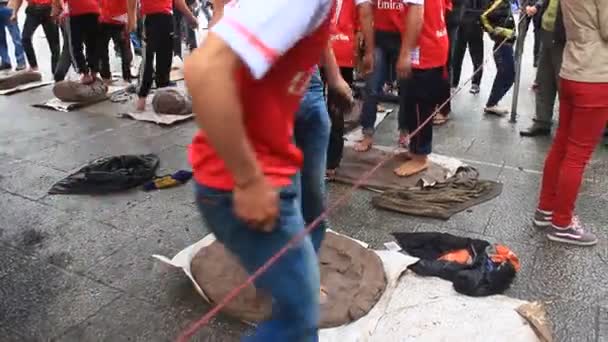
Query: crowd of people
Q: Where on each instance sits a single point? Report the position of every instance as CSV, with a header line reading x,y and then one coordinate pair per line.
x,y
88,26
258,187
278,77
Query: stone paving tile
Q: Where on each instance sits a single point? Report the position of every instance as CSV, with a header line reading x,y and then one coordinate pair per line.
x,y
68,157
184,133
13,260
166,210
173,158
10,336
134,271
577,321
130,319
27,178
514,208
98,207
602,322
41,301
20,214
568,273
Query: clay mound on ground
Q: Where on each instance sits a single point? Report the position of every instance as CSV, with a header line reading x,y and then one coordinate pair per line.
x,y
18,78
353,276
74,91
172,101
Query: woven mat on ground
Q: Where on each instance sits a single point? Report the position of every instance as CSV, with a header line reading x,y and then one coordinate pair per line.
x,y
442,200
159,119
355,164
24,87
149,115
62,106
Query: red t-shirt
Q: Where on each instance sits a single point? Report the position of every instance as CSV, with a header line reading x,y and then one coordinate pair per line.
x,y
113,11
388,15
40,2
433,44
156,7
343,36
78,7
278,64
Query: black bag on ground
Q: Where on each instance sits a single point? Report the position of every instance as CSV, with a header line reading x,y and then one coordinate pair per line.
x,y
490,270
109,174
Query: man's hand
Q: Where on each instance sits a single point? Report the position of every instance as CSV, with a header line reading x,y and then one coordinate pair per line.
x,y
13,16
344,99
531,11
192,21
368,63
404,65
131,25
257,204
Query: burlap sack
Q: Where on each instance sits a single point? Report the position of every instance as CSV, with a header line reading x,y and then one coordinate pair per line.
x,y
18,78
74,91
172,101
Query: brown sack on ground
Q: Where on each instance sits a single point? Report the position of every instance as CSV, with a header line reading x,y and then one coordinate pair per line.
x,y
352,275
172,101
74,91
18,78
536,315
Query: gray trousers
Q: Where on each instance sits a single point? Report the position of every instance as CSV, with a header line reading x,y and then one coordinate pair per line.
x,y
547,78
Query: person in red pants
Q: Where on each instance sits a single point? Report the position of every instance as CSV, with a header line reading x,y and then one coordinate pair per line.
x,y
582,119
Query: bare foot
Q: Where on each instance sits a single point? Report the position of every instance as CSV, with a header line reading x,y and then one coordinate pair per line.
x,y
330,174
440,119
365,144
322,295
140,105
404,140
413,166
86,79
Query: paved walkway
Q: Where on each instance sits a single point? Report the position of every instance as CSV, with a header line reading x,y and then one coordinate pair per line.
x,y
78,268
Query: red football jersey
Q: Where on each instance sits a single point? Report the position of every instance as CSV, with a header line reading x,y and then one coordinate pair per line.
x,y
279,44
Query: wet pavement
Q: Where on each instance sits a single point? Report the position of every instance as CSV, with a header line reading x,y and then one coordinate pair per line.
x,y
78,268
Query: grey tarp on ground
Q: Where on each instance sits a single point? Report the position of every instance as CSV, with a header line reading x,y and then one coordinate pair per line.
x,y
355,164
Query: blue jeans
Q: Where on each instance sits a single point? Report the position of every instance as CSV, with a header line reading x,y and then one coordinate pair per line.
x,y
13,30
293,281
385,57
505,73
312,129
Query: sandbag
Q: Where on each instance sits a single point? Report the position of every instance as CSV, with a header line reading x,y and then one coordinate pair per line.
x,y
74,91
18,78
353,277
172,101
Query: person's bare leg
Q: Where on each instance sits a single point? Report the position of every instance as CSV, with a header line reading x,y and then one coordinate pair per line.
x,y
86,78
140,104
416,164
365,144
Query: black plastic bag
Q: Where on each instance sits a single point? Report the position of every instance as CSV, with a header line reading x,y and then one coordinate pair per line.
x,y
109,174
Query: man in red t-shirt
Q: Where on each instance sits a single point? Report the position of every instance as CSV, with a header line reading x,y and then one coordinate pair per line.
x,y
421,69
158,44
116,20
38,12
247,81
389,29
349,15
84,29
